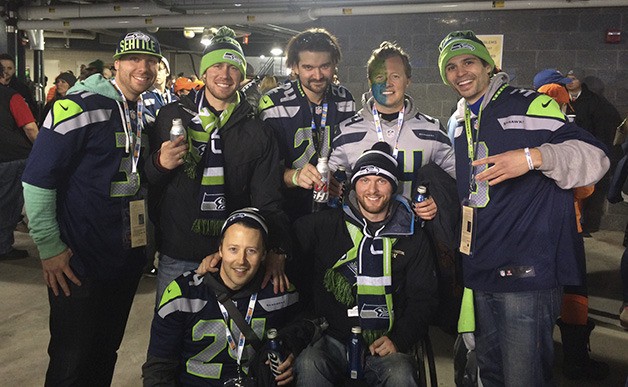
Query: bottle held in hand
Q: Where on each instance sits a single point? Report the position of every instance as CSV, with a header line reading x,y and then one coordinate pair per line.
x,y
177,129
274,352
341,176
321,192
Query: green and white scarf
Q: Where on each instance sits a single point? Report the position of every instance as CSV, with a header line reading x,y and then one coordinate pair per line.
x,y
205,148
366,267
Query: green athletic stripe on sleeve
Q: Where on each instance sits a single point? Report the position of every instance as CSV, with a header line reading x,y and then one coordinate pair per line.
x,y
545,106
172,291
64,109
264,103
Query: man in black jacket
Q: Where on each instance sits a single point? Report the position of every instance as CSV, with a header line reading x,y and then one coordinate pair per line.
x,y
360,263
597,115
227,160
9,79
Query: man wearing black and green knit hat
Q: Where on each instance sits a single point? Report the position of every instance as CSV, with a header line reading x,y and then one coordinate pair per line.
x,y
227,160
359,264
517,159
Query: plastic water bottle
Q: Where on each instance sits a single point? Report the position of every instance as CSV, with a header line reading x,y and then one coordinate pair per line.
x,y
321,192
177,129
274,352
341,176
357,354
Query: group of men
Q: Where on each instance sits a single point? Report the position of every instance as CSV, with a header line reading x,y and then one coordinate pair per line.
x,y
367,264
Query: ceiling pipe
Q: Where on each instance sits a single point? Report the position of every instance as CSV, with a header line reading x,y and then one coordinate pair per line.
x,y
91,10
180,21
176,21
69,35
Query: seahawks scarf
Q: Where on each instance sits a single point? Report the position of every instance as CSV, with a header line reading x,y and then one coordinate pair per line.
x,y
205,148
367,266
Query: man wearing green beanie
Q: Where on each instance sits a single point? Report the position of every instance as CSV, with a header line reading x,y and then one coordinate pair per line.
x,y
227,160
517,158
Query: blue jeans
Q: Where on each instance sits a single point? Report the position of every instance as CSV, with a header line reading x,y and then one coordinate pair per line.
x,y
11,201
169,269
513,337
324,363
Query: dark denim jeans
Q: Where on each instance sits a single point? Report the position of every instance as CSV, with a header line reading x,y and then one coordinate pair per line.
x,y
513,337
11,201
325,364
86,330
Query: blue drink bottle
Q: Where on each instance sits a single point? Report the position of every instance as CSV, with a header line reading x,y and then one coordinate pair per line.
x,y
357,354
274,352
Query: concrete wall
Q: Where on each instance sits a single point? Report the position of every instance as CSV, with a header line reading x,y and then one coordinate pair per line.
x,y
533,40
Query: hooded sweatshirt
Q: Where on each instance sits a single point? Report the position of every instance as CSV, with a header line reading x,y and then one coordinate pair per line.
x,y
78,182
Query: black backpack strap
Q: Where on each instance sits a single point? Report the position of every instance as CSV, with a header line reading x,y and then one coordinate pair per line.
x,y
234,313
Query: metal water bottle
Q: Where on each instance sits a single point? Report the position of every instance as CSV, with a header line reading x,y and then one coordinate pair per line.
x,y
177,129
357,354
341,176
321,193
274,352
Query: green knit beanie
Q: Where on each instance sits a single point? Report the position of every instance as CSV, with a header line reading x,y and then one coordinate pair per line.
x,y
461,43
223,48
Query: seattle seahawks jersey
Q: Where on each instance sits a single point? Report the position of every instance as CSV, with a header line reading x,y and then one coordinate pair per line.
x,y
83,153
190,327
525,234
288,111
420,140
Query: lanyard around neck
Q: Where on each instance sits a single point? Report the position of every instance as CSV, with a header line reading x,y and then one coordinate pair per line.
x,y
378,128
472,145
247,318
133,139
320,134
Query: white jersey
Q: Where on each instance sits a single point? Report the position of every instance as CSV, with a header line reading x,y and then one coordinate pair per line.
x,y
421,140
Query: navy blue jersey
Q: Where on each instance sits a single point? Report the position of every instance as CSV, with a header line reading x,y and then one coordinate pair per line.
x,y
153,101
525,229
189,327
81,153
288,112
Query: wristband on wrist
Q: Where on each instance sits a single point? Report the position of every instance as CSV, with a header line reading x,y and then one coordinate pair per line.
x,y
529,158
294,177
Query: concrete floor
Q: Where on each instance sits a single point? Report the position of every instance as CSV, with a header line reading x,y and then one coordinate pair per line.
x,y
24,321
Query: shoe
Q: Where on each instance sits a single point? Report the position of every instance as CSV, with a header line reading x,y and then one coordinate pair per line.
x,y
586,234
21,227
150,271
14,254
623,316
577,364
